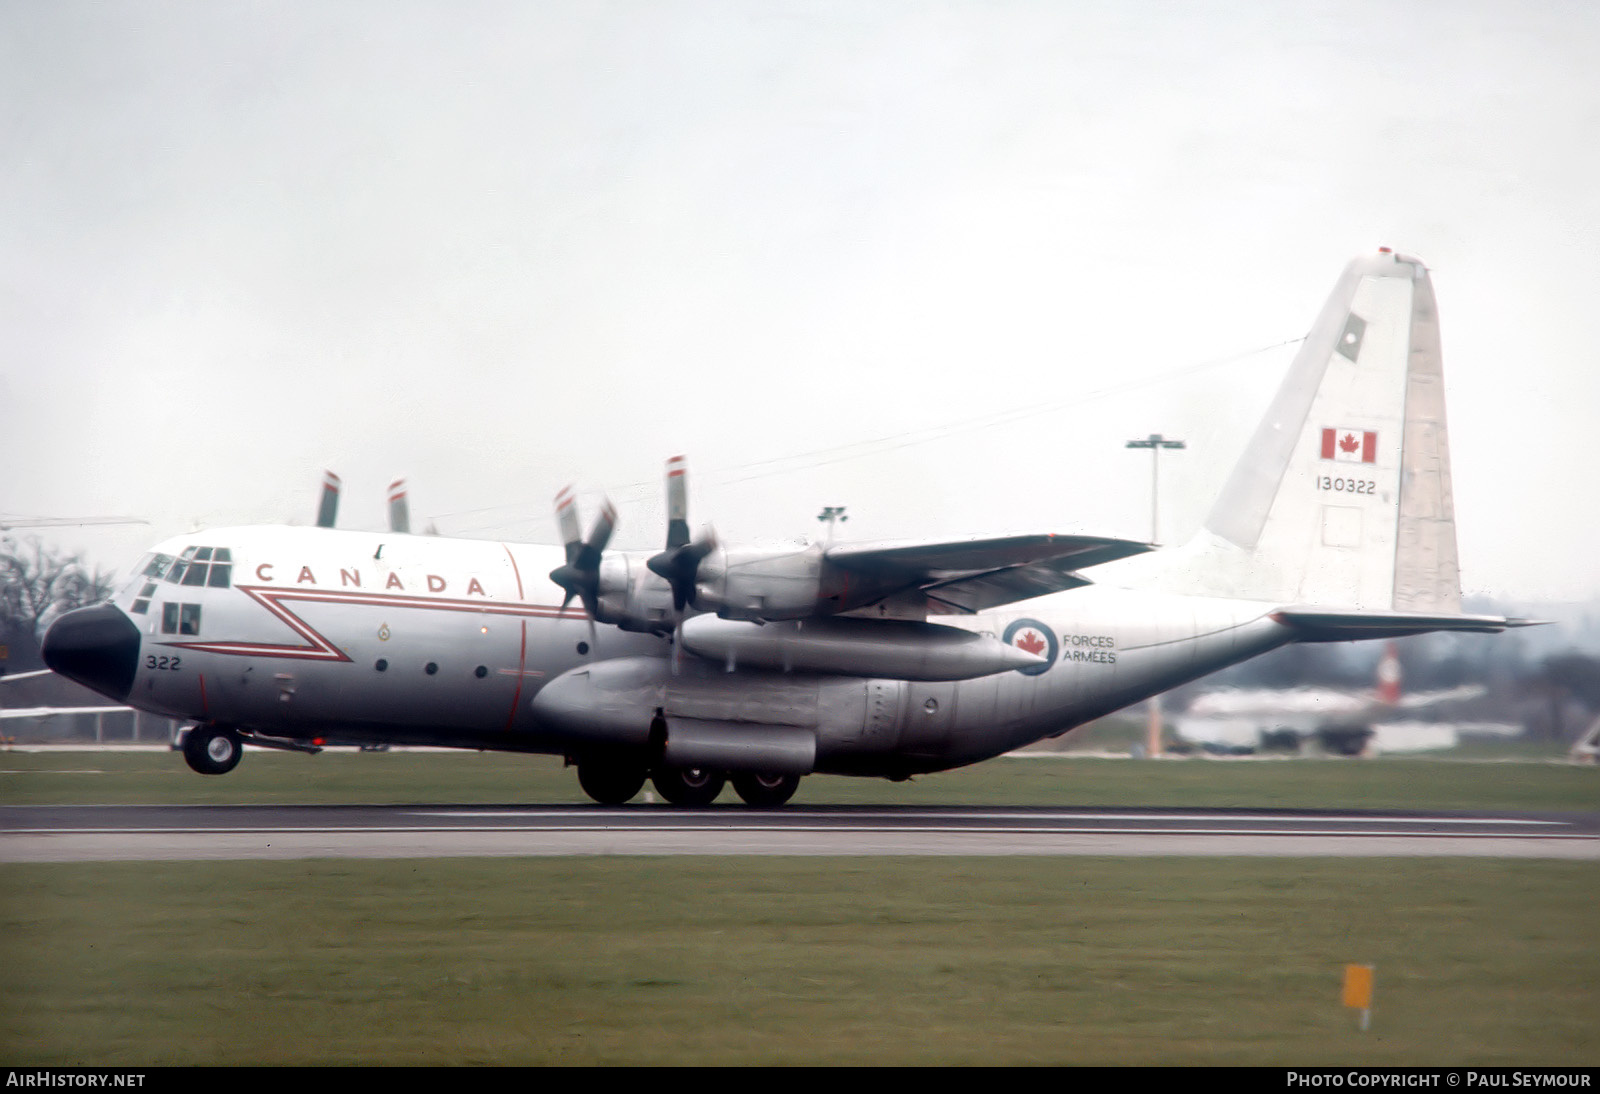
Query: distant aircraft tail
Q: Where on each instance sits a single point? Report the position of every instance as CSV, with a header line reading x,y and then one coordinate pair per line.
x,y
1342,498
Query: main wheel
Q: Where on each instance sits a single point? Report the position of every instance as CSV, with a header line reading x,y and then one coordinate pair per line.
x,y
765,791
610,782
688,786
212,750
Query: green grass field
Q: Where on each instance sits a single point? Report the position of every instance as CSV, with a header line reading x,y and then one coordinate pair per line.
x,y
800,960
32,778
691,960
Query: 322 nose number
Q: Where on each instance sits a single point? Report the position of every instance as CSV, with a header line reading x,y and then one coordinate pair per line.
x,y
151,661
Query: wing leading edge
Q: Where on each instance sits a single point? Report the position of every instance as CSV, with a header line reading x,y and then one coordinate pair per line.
x,y
966,576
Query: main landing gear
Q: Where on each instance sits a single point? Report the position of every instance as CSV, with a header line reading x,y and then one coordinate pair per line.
x,y
615,782
212,750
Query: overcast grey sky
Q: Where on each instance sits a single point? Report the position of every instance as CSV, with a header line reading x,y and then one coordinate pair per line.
x,y
500,247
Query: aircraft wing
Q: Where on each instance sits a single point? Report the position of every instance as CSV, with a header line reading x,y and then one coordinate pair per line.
x,y
977,574
46,712
1423,700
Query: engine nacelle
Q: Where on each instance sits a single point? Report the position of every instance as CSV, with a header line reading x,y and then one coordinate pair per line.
x,y
631,597
762,583
896,649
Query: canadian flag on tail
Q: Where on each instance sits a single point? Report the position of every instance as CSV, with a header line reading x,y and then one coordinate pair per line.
x,y
1350,445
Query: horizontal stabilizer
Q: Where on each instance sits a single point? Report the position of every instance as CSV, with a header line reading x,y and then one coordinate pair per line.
x,y
1347,625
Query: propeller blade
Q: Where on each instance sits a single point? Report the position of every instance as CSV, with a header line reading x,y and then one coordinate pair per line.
x,y
580,574
399,510
599,536
328,507
677,502
567,522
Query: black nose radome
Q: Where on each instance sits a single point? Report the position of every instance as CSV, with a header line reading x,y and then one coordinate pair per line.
x,y
98,647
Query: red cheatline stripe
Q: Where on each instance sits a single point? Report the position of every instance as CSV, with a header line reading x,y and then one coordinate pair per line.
x,y
321,649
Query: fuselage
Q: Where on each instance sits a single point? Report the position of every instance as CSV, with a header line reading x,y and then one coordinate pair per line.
x,y
309,633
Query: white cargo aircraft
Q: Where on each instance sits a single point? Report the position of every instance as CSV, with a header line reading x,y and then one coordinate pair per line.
x,y
1342,721
706,662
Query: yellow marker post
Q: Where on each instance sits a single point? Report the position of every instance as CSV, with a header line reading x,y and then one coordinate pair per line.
x,y
1358,991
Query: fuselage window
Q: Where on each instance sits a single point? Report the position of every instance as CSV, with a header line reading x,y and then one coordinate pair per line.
x,y
169,619
140,607
189,622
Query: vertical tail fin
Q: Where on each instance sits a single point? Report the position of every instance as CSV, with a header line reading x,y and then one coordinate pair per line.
x,y
1343,496
1388,691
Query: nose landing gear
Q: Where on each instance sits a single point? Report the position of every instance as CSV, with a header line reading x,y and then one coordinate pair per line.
x,y
212,750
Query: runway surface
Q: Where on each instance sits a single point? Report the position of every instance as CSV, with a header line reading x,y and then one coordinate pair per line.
x,y
122,832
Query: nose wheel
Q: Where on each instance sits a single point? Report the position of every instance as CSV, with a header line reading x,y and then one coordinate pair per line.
x,y
212,750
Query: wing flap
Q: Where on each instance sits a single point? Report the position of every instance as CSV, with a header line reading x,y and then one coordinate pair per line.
x,y
981,592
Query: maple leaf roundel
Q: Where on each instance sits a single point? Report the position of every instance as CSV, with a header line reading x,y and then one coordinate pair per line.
x,y
1037,639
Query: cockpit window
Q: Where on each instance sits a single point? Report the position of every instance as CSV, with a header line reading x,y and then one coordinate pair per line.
x,y
158,567
202,566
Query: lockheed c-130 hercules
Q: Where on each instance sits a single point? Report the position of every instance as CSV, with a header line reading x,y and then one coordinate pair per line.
x,y
702,662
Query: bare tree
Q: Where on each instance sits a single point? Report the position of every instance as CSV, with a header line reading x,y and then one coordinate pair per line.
x,y
36,581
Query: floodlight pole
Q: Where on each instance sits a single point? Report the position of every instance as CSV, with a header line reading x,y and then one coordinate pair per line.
x,y
1155,443
831,514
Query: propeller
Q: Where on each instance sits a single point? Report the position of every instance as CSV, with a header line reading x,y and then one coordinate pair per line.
x,y
399,508
328,507
580,574
679,564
